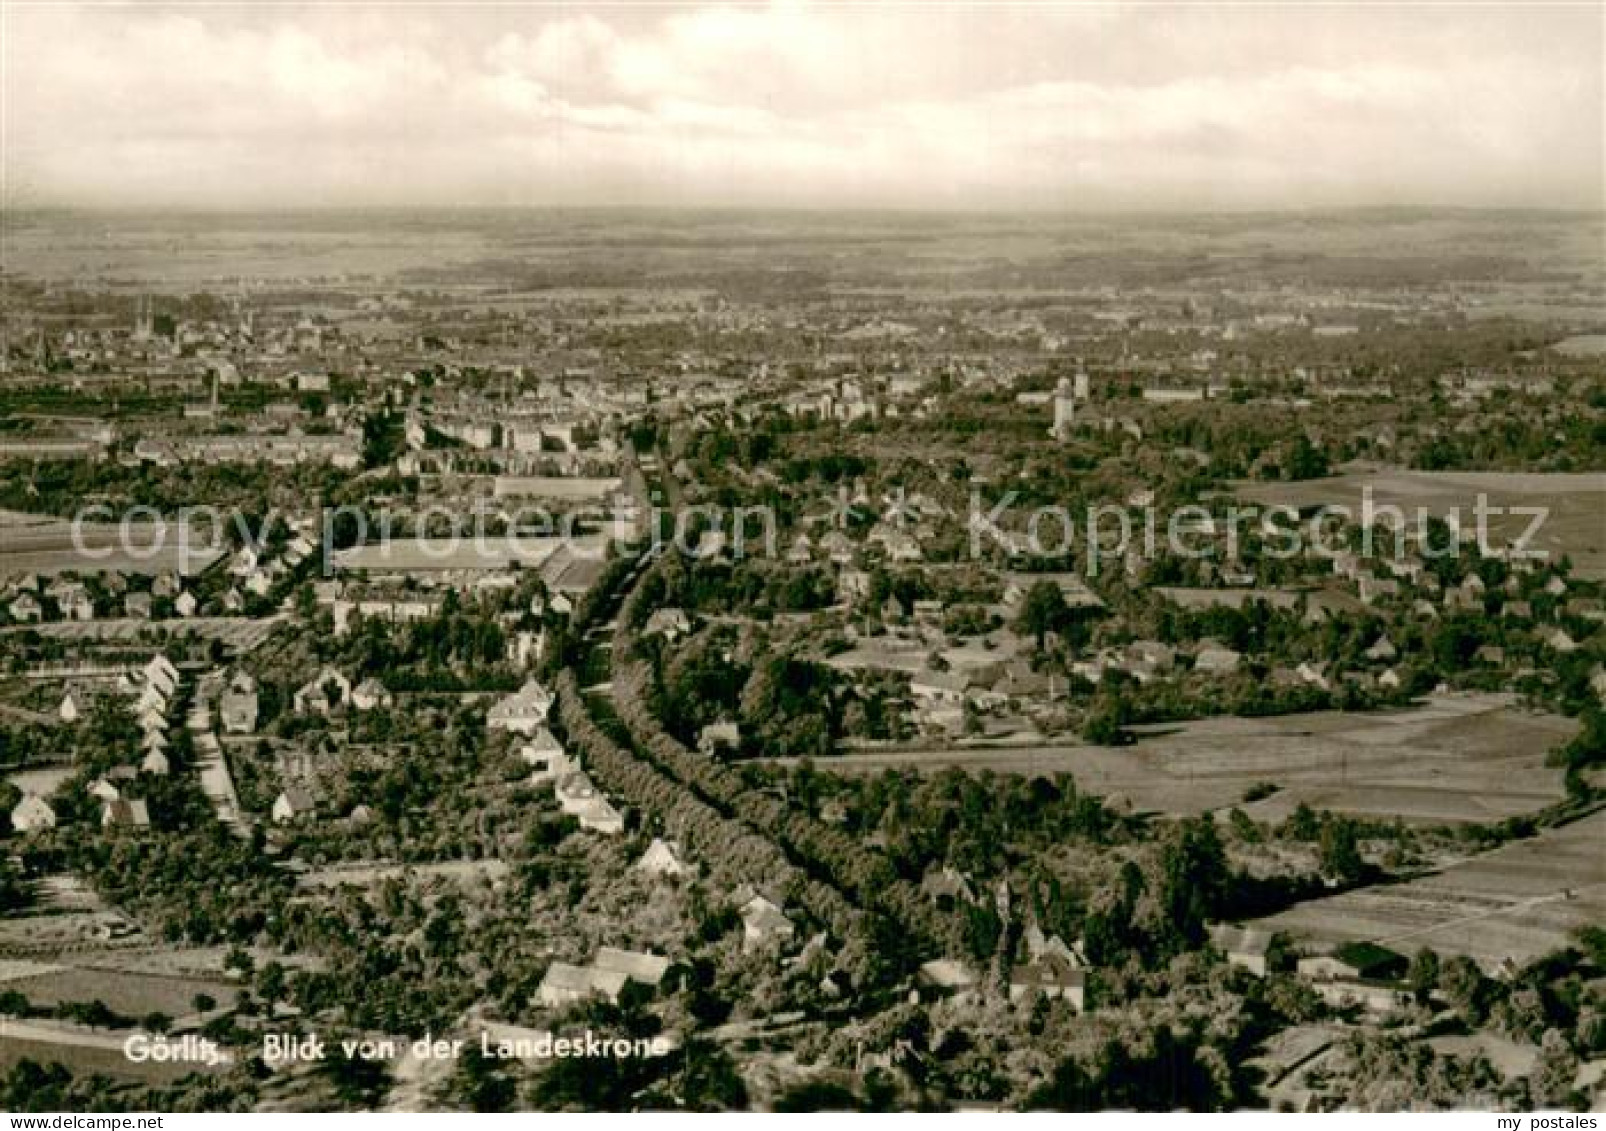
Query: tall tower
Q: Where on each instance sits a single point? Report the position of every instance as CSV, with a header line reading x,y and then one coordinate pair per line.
x,y
1064,409
142,319
1082,391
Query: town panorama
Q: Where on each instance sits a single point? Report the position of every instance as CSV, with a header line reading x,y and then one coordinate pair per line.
x,y
741,658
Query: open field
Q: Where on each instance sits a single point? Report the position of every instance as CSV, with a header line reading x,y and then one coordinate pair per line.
x,y
1575,502
86,1052
1519,901
1454,758
77,930
1582,345
54,546
125,992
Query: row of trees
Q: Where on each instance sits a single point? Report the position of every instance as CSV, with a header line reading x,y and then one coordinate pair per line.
x,y
829,853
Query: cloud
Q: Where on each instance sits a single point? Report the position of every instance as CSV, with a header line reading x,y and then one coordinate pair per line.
x,y
890,106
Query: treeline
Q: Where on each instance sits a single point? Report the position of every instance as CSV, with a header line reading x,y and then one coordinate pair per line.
x,y
828,853
707,833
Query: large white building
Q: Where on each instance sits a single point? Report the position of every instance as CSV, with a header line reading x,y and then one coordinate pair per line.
x,y
1064,409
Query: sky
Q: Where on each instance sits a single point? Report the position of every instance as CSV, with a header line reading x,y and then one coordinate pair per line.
x,y
1069,107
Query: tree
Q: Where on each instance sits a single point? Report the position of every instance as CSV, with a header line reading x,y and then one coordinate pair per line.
x,y
270,985
359,1081
1042,611
480,1084
1424,976
1193,878
1340,851
1557,1069
1463,983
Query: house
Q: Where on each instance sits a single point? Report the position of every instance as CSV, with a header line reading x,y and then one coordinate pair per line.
x,y
546,757
579,797
237,706
1587,608
1216,659
125,813
1518,610
638,966
1382,650
1374,589
72,598
370,693
669,623
1039,944
852,585
1358,973
74,705
801,551
1560,641
574,790
899,545
1151,656
1052,975
26,609
838,547
32,813
1597,681
293,804
722,737
948,883
162,673
764,923
1355,961
1468,595
607,976
523,712
153,695
1315,675
151,717
663,858
155,762
939,687
320,695
1245,947
1017,680
564,984
598,815
185,604
137,605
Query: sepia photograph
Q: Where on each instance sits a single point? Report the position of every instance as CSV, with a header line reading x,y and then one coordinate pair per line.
x,y
757,558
